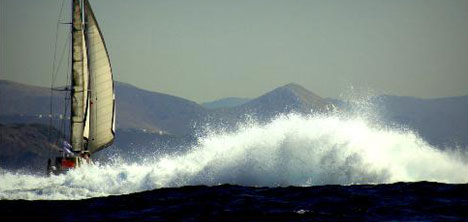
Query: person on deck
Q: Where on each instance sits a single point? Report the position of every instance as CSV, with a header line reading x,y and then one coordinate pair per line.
x,y
67,149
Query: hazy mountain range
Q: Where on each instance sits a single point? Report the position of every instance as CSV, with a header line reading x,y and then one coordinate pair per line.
x,y
152,121
442,122
151,111
225,103
26,146
146,121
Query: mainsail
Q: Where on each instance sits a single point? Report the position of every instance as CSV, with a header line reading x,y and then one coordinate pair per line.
x,y
93,98
79,88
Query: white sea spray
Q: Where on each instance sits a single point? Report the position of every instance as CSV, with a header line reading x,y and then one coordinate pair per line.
x,y
299,150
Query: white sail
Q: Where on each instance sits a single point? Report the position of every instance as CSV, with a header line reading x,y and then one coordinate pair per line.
x,y
102,98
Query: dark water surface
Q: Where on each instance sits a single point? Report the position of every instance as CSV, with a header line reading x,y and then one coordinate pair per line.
x,y
422,201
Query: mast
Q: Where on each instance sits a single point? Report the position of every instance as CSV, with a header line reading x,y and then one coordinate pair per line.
x,y
79,86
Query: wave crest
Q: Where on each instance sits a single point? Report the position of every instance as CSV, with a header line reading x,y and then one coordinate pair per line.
x,y
290,150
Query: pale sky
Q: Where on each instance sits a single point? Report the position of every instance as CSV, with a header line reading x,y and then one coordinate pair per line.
x,y
206,50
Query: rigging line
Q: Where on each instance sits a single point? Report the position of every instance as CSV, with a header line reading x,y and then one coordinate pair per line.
x,y
52,77
54,64
67,93
68,82
60,124
61,58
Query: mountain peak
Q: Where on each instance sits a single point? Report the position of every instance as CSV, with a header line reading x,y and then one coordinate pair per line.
x,y
293,85
284,99
302,93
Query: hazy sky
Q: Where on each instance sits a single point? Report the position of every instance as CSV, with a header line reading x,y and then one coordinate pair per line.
x,y
205,50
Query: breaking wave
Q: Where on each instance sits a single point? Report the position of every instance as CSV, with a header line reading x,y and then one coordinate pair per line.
x,y
290,150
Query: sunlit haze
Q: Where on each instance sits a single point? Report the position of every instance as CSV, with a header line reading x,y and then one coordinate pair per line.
x,y
206,50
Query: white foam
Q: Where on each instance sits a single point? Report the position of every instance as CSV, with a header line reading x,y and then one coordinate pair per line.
x,y
291,150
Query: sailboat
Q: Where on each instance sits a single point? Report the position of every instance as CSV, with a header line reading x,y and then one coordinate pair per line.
x,y
92,97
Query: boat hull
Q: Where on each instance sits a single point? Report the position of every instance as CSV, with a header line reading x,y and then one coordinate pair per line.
x,y
62,165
